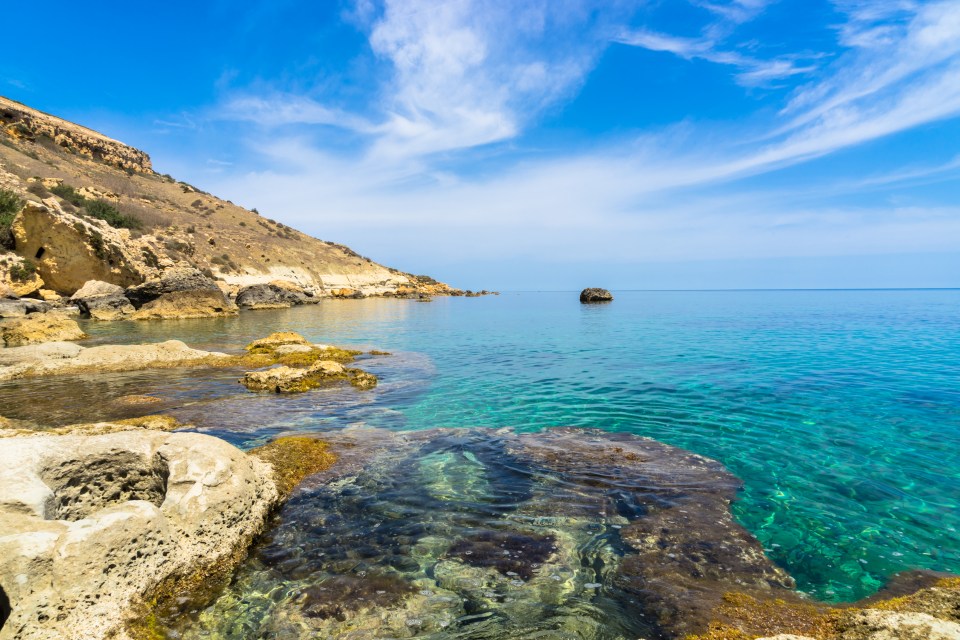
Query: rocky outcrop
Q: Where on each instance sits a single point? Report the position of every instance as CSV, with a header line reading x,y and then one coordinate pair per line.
x,y
179,293
17,276
284,379
186,304
69,250
20,121
595,295
270,296
65,357
91,524
13,308
103,301
37,328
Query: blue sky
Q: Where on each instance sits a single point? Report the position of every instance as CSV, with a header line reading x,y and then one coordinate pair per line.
x,y
545,144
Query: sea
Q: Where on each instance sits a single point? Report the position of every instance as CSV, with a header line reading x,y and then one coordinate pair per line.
x,y
838,410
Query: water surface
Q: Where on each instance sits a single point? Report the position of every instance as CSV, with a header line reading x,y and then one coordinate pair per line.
x,y
840,410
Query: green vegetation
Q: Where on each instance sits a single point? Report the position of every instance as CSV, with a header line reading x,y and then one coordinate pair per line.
x,y
68,193
106,211
10,204
23,271
100,209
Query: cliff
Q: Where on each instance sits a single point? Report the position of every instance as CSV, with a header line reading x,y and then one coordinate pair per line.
x,y
92,208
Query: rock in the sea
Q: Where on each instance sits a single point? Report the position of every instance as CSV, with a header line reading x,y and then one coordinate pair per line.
x,y
90,525
276,339
270,296
595,295
65,357
179,293
102,301
203,303
37,328
292,380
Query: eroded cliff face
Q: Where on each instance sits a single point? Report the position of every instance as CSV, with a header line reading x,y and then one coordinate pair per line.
x,y
68,176
20,121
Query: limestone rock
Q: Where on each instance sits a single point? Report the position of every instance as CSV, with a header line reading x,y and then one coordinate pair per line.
x,y
16,278
23,121
94,288
64,357
69,250
20,308
174,280
874,624
113,306
291,380
205,303
277,339
595,295
91,524
269,296
37,328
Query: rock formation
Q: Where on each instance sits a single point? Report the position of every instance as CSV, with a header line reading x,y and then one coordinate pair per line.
x,y
53,358
95,210
37,328
88,524
595,295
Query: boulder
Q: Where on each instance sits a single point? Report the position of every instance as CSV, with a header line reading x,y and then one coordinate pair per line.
x,y
172,281
269,296
91,525
200,303
20,308
284,379
102,301
113,306
94,288
37,328
595,295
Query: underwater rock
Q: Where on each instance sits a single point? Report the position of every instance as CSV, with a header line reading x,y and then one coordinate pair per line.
x,y
293,458
595,295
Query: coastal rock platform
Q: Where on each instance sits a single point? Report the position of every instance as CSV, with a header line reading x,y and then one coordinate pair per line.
x,y
88,524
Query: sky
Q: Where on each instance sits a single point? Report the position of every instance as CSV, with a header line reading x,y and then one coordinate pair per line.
x,y
544,144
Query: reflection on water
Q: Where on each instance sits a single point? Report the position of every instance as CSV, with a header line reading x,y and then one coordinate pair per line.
x,y
839,410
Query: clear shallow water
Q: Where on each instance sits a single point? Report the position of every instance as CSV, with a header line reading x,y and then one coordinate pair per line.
x,y
840,410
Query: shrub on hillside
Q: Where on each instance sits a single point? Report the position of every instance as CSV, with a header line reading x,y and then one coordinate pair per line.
x,y
109,213
68,193
23,271
10,204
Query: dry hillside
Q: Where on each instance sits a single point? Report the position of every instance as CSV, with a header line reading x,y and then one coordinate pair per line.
x,y
95,209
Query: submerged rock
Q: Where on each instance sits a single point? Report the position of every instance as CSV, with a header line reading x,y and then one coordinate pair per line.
x,y
595,295
38,328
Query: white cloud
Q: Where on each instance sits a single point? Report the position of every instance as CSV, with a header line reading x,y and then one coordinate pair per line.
x,y
751,71
467,73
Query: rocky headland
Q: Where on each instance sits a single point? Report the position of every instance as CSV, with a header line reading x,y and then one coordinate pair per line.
x,y
86,224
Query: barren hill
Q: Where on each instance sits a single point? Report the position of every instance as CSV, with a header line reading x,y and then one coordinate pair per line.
x,y
92,208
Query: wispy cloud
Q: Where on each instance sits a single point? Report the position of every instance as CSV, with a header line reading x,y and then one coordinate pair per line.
x,y
751,71
468,73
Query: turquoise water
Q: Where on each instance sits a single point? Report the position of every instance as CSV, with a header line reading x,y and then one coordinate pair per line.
x,y
840,410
